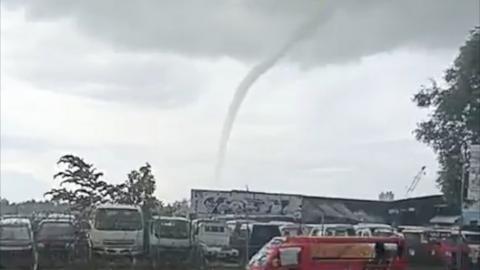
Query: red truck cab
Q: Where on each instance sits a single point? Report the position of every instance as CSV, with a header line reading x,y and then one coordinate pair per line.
x,y
312,253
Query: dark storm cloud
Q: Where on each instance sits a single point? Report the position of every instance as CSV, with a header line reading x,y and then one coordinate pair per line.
x,y
250,29
127,79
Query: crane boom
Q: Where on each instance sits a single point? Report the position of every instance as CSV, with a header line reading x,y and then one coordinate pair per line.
x,y
415,181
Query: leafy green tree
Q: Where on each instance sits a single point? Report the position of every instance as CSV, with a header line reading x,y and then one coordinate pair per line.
x,y
81,186
454,122
138,189
177,208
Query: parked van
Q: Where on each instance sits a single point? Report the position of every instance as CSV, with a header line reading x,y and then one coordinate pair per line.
x,y
333,253
17,249
55,241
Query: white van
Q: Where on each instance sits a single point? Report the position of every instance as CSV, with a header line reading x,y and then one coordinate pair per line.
x,y
116,232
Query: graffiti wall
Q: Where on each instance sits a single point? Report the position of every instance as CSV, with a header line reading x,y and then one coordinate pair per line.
x,y
412,211
210,202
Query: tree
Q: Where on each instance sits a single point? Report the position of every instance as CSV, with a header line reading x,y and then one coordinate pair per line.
x,y
455,119
81,186
138,189
177,208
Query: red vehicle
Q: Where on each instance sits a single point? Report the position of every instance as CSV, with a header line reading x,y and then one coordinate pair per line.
x,y
443,245
333,253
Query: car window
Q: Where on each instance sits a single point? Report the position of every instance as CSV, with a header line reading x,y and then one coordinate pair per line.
x,y
14,233
55,230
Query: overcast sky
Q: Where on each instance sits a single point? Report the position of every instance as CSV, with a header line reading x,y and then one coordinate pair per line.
x,y
121,83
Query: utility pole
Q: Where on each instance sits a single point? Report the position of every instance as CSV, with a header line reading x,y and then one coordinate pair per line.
x,y
247,237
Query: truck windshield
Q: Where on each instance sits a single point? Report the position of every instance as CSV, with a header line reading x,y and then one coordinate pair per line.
x,y
214,229
56,230
176,229
118,220
472,238
261,234
14,233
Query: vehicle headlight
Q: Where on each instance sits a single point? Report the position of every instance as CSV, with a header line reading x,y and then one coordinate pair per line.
x,y
96,242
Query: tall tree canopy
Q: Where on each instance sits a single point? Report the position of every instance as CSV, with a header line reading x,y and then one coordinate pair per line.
x,y
454,123
139,188
81,185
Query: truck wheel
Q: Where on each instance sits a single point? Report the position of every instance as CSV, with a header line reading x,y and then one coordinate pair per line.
x,y
201,261
154,263
133,263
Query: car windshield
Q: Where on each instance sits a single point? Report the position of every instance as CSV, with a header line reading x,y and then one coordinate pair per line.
x,y
118,219
172,229
261,257
262,234
56,230
14,233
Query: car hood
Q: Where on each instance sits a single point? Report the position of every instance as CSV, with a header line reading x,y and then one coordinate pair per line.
x,y
14,243
61,239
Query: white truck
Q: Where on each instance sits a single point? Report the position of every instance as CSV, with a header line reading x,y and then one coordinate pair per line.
x,y
171,244
214,236
116,234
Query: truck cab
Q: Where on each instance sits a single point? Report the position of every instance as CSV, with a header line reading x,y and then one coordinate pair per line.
x,y
116,233
170,241
214,236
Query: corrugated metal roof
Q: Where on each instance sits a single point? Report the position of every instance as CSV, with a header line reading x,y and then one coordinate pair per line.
x,y
445,219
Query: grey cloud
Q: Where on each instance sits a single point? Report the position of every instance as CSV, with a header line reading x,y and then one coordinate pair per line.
x,y
147,80
248,29
18,143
